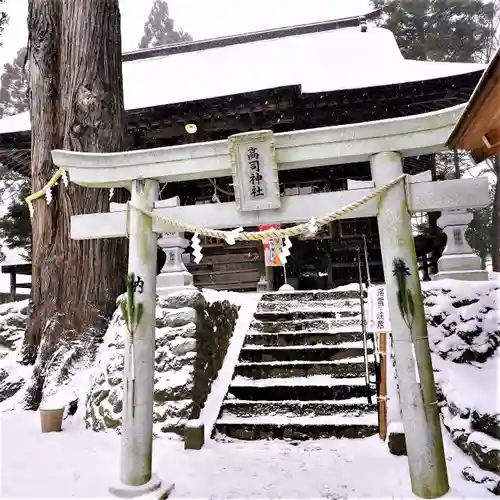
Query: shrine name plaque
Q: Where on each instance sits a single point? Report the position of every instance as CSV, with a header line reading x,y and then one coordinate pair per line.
x,y
255,172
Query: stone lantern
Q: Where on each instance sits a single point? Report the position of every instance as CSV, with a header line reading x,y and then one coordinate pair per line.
x,y
458,260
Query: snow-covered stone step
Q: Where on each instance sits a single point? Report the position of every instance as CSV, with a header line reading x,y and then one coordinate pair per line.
x,y
302,338
305,306
350,367
370,419
319,352
315,387
308,315
312,296
344,345
242,408
298,428
313,380
301,371
326,324
341,328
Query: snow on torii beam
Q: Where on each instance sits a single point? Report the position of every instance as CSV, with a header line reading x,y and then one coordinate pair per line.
x,y
410,136
425,197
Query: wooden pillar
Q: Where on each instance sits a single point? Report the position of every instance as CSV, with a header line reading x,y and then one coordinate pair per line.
x,y
382,406
434,231
270,278
13,285
330,272
425,268
265,282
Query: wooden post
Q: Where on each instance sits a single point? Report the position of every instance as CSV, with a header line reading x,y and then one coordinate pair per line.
x,y
263,284
330,272
13,286
270,278
382,406
425,267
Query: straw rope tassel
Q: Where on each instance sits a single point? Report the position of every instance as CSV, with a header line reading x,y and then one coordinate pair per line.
x,y
52,182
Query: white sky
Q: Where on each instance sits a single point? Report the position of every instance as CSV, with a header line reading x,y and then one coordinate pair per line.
x,y
201,18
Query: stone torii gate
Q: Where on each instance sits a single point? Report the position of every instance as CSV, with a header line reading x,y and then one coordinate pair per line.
x,y
383,144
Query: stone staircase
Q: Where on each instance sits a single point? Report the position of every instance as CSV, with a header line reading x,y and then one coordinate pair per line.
x,y
301,371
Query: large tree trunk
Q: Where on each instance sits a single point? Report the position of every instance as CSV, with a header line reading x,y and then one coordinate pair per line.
x,y
495,233
44,25
75,282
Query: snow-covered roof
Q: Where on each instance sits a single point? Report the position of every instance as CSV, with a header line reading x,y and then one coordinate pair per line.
x,y
340,59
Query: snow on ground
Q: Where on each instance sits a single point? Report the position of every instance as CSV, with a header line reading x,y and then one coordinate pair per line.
x,y
470,386
80,463
346,345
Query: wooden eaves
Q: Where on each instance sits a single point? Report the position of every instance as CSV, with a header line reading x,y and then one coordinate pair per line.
x,y
478,129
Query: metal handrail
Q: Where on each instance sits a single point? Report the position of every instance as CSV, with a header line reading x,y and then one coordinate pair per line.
x,y
367,266
363,326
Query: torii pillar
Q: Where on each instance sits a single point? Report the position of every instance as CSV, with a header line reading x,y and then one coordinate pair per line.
x,y
136,477
136,457
417,390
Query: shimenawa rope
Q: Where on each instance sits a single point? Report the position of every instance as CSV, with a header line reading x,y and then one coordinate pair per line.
x,y
272,233
243,235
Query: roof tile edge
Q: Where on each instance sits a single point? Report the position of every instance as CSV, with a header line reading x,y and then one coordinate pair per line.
x,y
256,36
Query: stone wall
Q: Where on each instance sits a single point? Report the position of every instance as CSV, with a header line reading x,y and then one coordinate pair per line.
x,y
192,337
477,434
216,327
464,331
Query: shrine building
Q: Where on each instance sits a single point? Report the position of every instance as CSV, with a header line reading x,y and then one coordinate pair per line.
x,y
334,73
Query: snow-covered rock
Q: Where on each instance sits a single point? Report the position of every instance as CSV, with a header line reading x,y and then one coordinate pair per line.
x,y
192,337
68,362
488,479
12,326
464,324
487,423
485,451
464,334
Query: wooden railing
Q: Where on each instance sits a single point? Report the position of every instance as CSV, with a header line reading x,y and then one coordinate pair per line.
x,y
13,270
